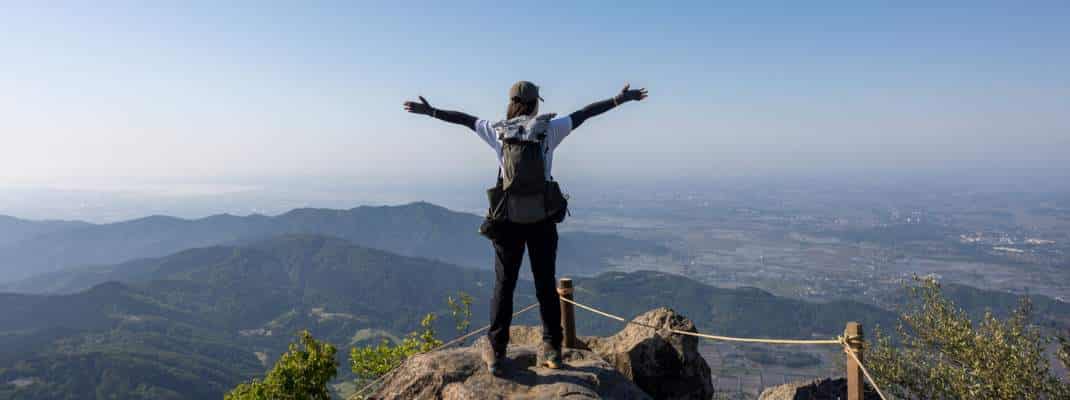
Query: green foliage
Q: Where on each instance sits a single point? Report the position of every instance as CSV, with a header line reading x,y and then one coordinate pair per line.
x,y
944,354
426,338
301,373
370,362
461,309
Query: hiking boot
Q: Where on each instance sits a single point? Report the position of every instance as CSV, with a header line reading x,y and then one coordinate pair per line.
x,y
551,356
493,360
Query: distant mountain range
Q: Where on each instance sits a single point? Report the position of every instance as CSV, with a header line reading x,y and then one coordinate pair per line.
x,y
14,229
226,294
192,324
416,229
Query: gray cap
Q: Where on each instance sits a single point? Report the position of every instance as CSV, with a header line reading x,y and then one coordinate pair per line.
x,y
525,91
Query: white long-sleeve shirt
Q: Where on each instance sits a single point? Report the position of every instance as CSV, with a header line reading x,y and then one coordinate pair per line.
x,y
559,128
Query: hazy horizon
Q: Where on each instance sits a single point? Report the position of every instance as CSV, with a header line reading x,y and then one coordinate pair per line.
x,y
205,92
164,99
101,202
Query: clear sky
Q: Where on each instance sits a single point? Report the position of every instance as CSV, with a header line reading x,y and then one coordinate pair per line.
x,y
111,92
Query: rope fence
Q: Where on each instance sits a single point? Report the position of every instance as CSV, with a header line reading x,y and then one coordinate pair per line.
x,y
840,340
850,341
701,335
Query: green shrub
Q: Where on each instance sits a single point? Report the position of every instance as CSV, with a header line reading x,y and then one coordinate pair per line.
x,y
370,362
302,373
943,354
461,309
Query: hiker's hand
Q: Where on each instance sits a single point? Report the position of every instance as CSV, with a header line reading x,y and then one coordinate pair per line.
x,y
629,94
423,107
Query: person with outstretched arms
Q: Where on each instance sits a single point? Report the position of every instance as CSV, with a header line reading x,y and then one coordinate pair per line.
x,y
525,205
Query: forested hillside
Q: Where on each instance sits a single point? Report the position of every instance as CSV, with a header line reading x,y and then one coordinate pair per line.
x,y
417,229
190,325
741,312
195,323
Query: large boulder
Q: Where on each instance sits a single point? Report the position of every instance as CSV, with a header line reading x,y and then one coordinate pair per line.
x,y
819,389
461,374
636,363
663,364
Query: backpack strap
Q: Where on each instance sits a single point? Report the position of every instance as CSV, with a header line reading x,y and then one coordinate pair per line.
x,y
496,209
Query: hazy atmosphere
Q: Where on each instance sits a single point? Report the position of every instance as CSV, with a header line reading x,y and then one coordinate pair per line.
x,y
124,95
260,200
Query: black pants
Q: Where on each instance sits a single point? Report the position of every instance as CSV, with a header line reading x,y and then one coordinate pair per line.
x,y
541,240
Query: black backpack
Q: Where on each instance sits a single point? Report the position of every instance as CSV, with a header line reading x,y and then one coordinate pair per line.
x,y
524,153
523,194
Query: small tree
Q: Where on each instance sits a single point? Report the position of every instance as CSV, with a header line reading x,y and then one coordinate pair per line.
x,y
302,373
945,355
370,362
461,309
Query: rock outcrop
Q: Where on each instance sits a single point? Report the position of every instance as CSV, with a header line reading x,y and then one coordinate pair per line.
x,y
460,374
664,365
820,389
636,363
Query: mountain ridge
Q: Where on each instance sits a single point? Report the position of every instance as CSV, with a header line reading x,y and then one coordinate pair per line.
x,y
14,229
415,229
209,311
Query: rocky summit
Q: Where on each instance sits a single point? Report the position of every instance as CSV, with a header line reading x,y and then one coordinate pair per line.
x,y
636,363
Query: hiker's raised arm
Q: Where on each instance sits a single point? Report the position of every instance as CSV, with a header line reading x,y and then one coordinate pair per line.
x,y
627,94
456,117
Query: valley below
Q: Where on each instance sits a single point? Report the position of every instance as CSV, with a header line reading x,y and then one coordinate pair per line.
x,y
173,308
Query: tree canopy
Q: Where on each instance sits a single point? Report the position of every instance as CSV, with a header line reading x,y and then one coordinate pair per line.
x,y
302,373
944,354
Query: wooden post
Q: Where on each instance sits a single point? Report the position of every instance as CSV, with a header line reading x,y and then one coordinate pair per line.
x,y
856,383
568,313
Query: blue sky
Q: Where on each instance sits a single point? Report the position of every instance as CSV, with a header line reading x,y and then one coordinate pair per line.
x,y
113,92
